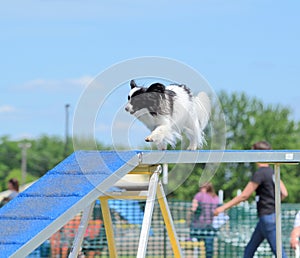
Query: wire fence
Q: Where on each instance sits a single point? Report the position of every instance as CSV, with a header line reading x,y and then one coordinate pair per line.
x,y
229,233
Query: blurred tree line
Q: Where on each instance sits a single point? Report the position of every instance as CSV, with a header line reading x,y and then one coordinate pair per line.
x,y
247,120
45,152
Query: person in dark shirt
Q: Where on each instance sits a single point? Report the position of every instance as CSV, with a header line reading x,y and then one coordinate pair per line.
x,y
263,183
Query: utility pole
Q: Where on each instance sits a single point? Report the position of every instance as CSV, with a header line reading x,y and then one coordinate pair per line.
x,y
24,146
66,130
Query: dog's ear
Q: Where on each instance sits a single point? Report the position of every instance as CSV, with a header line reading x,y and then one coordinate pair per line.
x,y
132,84
156,87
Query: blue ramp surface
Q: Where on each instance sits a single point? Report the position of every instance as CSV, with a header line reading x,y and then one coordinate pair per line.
x,y
35,214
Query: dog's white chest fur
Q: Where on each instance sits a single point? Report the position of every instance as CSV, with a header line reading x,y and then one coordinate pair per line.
x,y
149,120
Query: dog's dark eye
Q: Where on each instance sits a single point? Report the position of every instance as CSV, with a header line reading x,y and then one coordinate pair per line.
x,y
128,98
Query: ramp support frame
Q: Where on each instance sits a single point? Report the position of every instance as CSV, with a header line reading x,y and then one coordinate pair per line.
x,y
155,191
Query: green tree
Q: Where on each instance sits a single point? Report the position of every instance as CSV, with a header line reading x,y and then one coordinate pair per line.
x,y
9,158
9,152
44,154
249,120
47,151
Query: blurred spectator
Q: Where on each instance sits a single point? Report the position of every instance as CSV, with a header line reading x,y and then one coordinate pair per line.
x,y
13,186
203,206
295,234
262,182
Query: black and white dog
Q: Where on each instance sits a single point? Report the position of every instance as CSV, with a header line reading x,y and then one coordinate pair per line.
x,y
169,111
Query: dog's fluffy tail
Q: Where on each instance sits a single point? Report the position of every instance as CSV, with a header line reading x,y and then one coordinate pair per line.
x,y
203,109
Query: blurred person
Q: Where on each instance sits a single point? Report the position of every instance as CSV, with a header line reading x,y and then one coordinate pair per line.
x,y
262,182
13,186
295,234
203,206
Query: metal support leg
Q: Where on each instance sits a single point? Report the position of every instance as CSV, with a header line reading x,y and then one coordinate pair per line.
x,y
278,211
81,230
108,227
144,235
164,207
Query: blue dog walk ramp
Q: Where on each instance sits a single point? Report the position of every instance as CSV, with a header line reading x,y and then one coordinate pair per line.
x,y
75,183
38,212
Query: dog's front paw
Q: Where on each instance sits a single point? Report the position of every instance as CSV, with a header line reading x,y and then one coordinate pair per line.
x,y
159,143
192,148
148,139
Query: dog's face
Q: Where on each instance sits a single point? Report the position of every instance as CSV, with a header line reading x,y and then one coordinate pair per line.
x,y
140,98
135,100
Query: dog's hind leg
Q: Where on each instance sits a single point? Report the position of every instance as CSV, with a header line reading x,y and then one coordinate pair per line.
x,y
193,136
193,144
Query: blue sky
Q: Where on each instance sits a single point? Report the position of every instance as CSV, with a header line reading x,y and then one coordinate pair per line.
x,y
51,50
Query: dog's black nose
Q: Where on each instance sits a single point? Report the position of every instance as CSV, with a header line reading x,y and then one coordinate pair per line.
x,y
126,109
